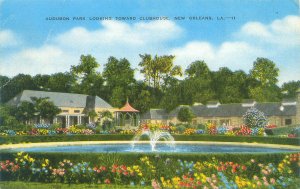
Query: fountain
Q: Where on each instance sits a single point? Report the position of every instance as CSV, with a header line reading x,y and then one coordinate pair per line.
x,y
154,136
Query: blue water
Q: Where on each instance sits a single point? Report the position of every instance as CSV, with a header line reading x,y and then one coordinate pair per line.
x,y
179,148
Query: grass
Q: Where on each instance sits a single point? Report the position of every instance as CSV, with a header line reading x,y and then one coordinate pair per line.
x,y
36,185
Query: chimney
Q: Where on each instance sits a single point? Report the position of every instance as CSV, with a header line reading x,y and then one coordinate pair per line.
x,y
213,104
90,103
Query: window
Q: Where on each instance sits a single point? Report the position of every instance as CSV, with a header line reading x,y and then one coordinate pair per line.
x,y
225,122
212,121
65,111
76,111
288,121
194,122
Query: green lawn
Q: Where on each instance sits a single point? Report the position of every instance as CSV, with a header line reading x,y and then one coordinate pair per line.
x,y
34,185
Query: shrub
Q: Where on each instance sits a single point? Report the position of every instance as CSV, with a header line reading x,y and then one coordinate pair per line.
x,y
269,131
185,114
295,131
254,118
201,126
180,128
107,125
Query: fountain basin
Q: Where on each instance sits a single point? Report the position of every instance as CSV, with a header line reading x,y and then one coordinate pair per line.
x,y
145,147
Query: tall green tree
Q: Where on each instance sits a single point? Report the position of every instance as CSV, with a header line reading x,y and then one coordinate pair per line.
x,y
118,73
119,76
141,96
198,84
143,101
7,117
4,80
172,94
185,114
230,86
25,112
289,89
16,85
265,73
61,82
44,108
41,82
118,97
155,69
87,78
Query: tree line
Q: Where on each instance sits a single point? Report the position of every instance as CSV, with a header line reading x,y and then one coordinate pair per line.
x,y
163,85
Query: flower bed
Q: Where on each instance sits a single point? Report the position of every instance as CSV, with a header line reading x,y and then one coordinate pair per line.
x,y
45,129
209,128
160,172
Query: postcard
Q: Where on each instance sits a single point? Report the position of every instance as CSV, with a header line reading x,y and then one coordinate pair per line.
x,y
149,94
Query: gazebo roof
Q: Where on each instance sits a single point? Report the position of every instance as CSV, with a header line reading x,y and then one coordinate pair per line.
x,y
127,108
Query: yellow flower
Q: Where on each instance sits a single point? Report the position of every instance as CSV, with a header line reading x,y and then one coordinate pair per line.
x,y
47,161
26,157
140,174
135,167
20,153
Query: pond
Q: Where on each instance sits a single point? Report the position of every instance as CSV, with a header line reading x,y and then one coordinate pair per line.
x,y
160,148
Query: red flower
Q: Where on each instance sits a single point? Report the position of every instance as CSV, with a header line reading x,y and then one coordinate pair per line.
x,y
103,168
107,181
244,168
219,168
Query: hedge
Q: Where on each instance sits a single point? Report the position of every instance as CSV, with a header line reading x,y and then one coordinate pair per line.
x,y
62,138
119,137
131,158
248,139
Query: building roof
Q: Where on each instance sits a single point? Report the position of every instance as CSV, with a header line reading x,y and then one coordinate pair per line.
x,y
156,114
127,108
61,99
237,110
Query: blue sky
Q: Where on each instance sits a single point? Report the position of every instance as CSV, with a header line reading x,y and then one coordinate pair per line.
x,y
262,28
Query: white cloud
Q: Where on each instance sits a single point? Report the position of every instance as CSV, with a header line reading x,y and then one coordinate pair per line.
x,y
113,38
235,55
284,32
193,51
7,38
44,60
116,33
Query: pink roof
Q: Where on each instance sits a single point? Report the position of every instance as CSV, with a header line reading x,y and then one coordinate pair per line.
x,y
127,108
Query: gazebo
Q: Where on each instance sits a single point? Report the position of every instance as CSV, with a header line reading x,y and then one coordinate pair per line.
x,y
127,116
